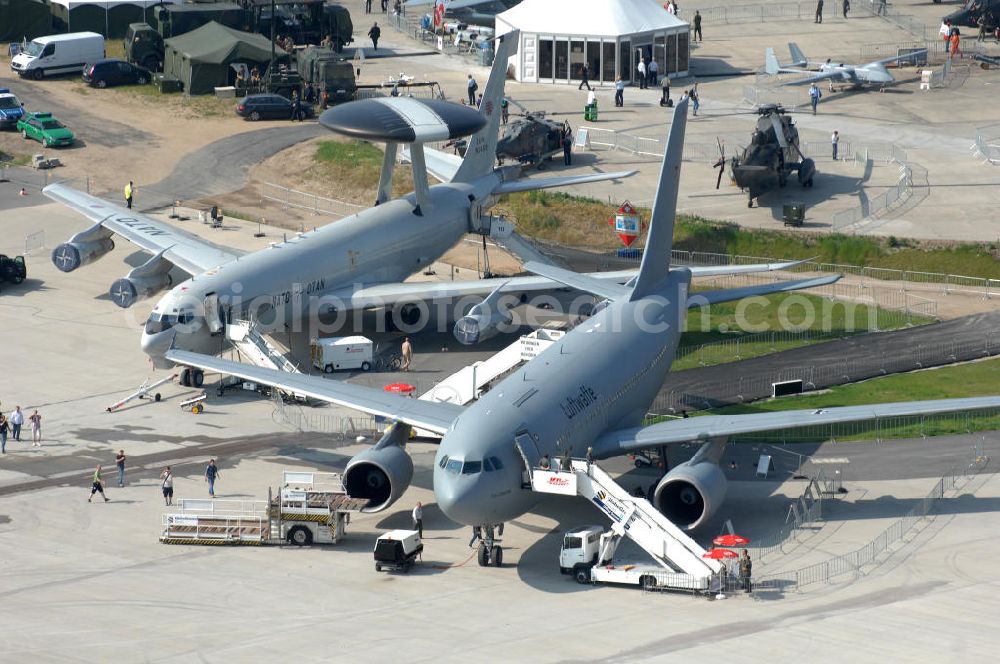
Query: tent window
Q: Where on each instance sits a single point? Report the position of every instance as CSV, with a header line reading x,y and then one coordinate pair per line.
x,y
594,59
671,55
659,55
683,50
545,58
562,59
576,58
608,71
625,61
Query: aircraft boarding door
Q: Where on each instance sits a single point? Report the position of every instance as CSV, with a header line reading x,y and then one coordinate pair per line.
x,y
528,449
212,315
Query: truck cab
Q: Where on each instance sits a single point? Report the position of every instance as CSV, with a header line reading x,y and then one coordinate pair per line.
x,y
579,552
144,46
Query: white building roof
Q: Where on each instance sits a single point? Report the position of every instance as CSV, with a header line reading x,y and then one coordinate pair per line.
x,y
590,18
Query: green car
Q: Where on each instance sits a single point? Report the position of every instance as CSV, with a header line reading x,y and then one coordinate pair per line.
x,y
45,129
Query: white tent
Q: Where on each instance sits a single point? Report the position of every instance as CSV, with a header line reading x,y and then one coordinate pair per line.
x,y
558,36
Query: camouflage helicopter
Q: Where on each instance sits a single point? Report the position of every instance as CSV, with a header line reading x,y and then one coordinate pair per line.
x,y
531,138
773,155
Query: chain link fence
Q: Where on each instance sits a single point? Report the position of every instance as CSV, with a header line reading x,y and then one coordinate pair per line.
x,y
858,563
775,11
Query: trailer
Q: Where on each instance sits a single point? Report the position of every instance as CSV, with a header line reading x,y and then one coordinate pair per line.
x,y
341,353
308,508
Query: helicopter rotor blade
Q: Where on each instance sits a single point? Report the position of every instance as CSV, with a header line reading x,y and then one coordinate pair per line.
x,y
779,131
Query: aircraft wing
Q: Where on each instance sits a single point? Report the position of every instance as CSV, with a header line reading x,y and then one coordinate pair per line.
x,y
715,270
440,164
584,282
430,415
185,250
816,77
714,297
719,426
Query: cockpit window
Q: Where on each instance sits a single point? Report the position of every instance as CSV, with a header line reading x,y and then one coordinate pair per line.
x,y
487,466
454,466
444,461
496,463
162,322
472,467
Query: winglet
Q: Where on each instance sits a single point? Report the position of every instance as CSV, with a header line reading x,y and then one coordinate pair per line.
x,y
482,151
655,267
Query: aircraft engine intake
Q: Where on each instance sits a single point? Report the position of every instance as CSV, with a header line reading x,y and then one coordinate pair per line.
x,y
70,255
481,323
381,474
148,279
691,493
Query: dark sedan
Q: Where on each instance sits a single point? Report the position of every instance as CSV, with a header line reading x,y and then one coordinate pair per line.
x,y
269,106
103,73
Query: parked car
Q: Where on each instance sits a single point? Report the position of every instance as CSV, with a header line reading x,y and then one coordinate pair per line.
x,y
45,129
269,106
107,72
11,109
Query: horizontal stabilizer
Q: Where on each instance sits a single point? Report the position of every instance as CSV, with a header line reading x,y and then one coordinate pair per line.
x,y
715,270
561,181
715,297
441,165
583,282
709,427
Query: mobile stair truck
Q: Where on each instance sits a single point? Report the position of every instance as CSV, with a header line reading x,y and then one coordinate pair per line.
x,y
588,553
308,508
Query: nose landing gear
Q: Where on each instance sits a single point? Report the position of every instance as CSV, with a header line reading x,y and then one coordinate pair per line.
x,y
192,378
490,552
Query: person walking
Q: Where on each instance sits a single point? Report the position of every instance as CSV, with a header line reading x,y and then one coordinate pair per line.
x,y
418,519
695,102
584,77
4,430
882,8
477,534
956,39
36,429
834,140
981,22
120,462
472,86
97,485
211,474
697,25
814,97
847,7
296,106
368,6
374,34
129,190
567,144
746,569
167,484
654,70
619,92
406,350
504,110
945,30
641,68
16,420
819,11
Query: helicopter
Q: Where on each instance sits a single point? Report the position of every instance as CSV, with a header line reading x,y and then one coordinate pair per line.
x,y
773,155
531,139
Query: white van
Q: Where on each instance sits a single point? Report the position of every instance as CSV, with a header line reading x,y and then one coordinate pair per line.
x,y
342,353
58,54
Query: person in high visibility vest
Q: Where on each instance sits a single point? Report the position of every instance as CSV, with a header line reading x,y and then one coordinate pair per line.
x,y
128,195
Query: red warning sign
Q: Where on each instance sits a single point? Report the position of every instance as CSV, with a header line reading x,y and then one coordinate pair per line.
x,y
627,223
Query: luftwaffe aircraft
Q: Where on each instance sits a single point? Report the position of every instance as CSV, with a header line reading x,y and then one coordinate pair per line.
x,y
591,389
869,74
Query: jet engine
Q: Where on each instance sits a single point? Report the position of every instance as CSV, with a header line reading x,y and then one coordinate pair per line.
x,y
691,493
149,278
382,472
83,248
484,319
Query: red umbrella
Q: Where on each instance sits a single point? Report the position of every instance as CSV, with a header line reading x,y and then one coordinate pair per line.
x,y
731,540
399,388
719,554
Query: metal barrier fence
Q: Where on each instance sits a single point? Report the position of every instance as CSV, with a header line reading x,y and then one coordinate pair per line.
x,y
761,95
306,201
342,429
772,12
34,242
804,510
856,562
884,201
987,144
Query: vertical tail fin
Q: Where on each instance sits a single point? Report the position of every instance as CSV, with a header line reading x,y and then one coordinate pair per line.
x,y
799,58
655,265
771,65
482,151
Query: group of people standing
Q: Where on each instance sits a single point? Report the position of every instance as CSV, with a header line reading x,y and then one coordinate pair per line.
x,y
166,479
11,426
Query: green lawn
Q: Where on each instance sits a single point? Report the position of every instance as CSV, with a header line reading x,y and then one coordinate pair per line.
x,y
355,166
965,380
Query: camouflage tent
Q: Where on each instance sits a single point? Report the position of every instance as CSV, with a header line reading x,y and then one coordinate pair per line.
x,y
24,19
201,58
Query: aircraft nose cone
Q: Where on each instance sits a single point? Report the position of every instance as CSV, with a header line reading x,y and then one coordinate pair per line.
x,y
457,500
156,347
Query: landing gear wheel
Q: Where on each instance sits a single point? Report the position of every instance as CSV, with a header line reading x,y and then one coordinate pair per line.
x,y
497,555
582,575
328,368
647,582
185,380
197,378
300,536
484,556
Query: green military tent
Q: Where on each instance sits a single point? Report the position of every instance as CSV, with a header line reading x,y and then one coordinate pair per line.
x,y
24,19
110,18
201,58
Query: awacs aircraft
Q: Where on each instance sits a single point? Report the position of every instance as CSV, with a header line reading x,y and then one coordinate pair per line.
x,y
592,389
355,263
869,74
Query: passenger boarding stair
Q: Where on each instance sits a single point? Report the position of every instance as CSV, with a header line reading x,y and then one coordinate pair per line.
x,y
631,517
254,347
